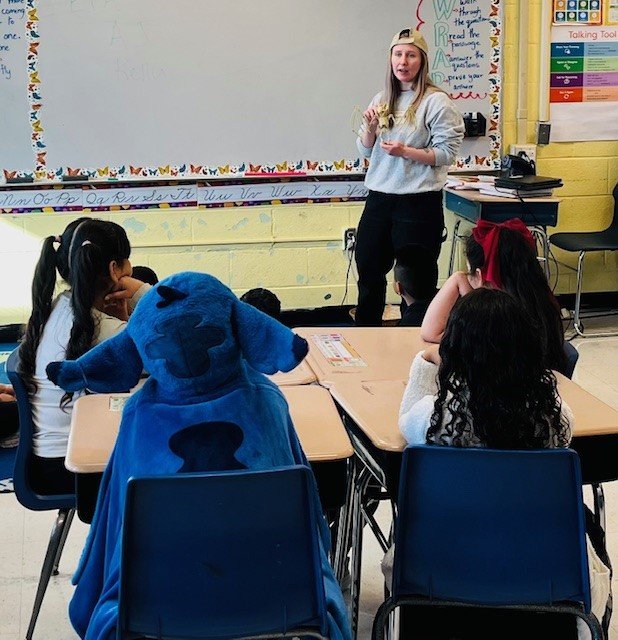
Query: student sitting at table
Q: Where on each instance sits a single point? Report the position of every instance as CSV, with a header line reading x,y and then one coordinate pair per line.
x,y
416,274
204,409
92,256
486,386
503,256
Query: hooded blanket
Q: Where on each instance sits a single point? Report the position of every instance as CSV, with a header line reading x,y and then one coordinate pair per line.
x,y
205,407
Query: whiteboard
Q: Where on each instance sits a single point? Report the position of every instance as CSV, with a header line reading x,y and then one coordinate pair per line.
x,y
223,87
15,130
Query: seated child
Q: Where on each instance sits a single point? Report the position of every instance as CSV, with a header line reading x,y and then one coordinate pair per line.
x,y
202,409
264,300
145,274
92,256
503,256
486,386
416,273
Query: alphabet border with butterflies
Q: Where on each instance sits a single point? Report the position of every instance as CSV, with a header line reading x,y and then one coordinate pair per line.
x,y
287,168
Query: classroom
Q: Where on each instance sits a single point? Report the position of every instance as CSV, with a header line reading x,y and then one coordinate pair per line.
x,y
433,260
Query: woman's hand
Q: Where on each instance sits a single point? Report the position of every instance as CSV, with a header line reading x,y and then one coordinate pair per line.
x,y
394,148
370,120
6,393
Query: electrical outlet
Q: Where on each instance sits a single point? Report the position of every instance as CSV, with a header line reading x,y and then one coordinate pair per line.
x,y
349,239
528,149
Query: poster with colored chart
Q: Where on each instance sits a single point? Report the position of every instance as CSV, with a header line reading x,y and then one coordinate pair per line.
x,y
584,83
577,12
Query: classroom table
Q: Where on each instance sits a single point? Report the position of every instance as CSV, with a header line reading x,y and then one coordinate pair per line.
x,y
373,406
470,205
362,353
302,374
95,420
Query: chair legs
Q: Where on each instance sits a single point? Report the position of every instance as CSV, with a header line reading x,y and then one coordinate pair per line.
x,y
577,323
63,539
52,558
599,504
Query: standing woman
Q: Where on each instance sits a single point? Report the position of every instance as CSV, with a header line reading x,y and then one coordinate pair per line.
x,y
412,133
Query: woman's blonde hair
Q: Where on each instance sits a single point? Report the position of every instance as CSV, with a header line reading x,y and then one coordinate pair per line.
x,y
392,90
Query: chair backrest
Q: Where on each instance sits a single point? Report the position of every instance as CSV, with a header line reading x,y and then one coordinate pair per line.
x,y
24,491
491,527
223,555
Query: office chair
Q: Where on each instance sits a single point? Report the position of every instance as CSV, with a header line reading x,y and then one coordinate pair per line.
x,y
29,498
585,242
490,529
225,555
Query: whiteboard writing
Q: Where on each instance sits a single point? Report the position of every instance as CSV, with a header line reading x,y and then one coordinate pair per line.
x,y
15,146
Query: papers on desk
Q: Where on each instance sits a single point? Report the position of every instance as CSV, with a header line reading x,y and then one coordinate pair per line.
x,y
337,350
503,192
470,182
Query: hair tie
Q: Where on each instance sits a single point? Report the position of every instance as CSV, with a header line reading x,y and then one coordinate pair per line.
x,y
57,239
85,242
487,234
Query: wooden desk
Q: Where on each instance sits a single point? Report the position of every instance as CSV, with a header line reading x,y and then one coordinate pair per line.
x,y
472,206
94,428
374,407
302,374
386,353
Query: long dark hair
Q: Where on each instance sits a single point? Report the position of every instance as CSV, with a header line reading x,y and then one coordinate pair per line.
x,y
522,276
86,248
51,261
493,384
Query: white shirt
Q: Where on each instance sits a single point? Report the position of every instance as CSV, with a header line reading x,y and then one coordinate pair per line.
x,y
51,423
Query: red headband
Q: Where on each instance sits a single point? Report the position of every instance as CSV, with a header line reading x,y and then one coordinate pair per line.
x,y
487,234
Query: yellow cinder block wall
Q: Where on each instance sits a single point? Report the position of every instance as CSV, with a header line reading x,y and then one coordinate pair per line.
x,y
589,169
295,250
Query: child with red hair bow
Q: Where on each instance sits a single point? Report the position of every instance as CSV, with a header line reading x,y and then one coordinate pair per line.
x,y
503,256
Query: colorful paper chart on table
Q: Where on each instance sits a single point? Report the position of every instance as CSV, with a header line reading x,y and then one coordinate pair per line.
x,y
116,403
337,350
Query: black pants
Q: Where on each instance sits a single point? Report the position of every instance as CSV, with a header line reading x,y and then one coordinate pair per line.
x,y
390,222
9,419
49,476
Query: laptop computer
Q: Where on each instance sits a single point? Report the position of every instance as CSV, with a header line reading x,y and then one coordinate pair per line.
x,y
528,183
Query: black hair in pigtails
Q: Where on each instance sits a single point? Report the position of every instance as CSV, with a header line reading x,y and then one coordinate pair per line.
x,y
43,285
86,267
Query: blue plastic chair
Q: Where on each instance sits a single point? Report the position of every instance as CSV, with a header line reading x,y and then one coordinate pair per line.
x,y
492,529
29,498
226,555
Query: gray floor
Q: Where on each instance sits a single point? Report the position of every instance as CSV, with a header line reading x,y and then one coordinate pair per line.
x,y
24,534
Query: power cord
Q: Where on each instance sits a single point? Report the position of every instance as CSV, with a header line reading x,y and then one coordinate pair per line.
x,y
350,248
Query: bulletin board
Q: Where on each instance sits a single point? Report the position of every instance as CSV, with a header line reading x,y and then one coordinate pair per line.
x,y
156,89
584,70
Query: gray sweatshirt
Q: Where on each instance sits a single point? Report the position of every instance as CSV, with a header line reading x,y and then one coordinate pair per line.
x,y
439,126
